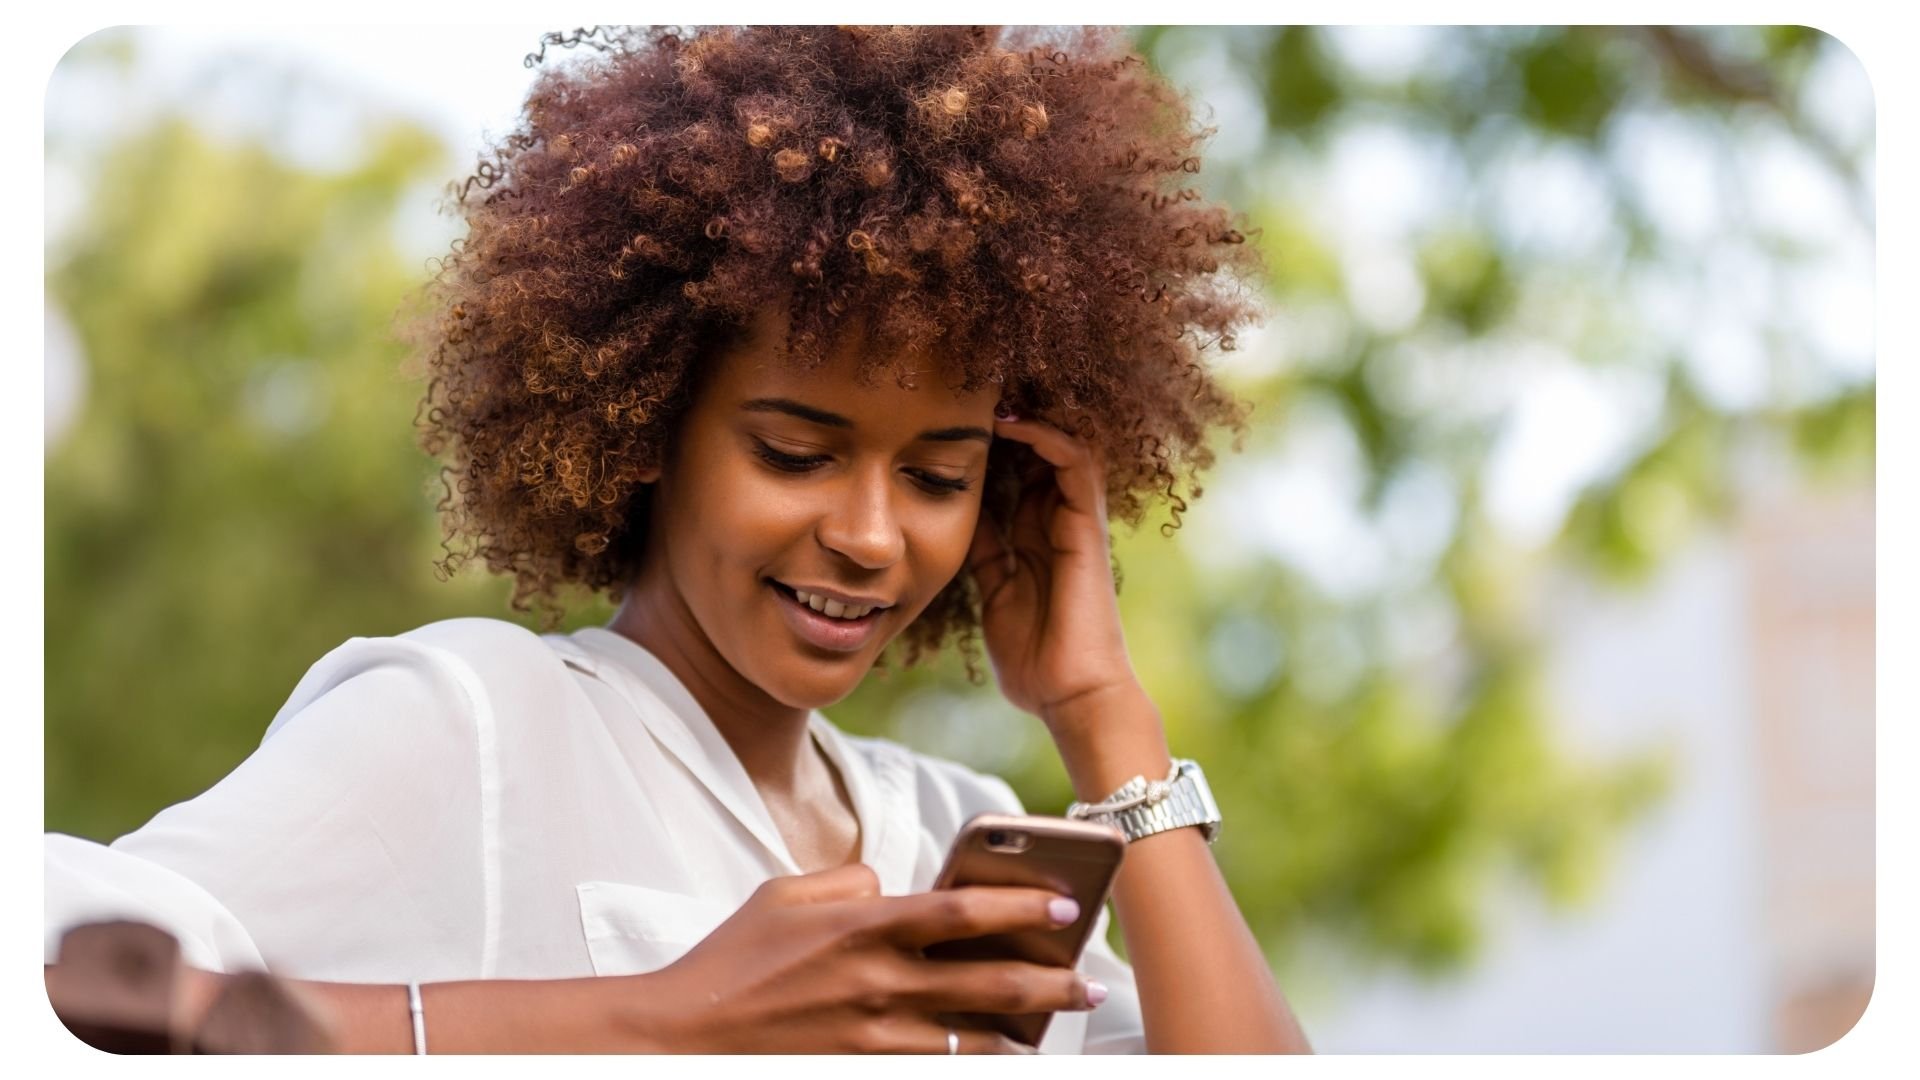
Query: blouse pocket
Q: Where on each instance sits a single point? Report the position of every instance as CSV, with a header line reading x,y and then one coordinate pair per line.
x,y
632,929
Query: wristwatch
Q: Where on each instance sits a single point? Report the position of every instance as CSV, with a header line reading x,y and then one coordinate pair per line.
x,y
1142,807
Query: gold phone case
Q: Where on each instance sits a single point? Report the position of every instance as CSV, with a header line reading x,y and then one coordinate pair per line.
x,y
1073,858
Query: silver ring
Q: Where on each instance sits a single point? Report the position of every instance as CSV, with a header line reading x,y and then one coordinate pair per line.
x,y
953,1041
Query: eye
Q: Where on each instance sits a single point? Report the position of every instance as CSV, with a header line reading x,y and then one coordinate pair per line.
x,y
932,483
942,486
787,462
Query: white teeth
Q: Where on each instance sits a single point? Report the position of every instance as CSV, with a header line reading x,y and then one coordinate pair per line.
x,y
833,609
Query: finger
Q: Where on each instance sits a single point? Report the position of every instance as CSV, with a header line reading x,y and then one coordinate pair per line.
x,y
1060,449
973,911
916,1035
854,881
997,986
1079,468
988,558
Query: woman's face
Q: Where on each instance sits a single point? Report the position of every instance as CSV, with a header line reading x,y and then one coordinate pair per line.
x,y
806,519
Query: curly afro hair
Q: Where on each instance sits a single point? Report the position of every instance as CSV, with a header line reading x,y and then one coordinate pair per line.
x,y
1013,198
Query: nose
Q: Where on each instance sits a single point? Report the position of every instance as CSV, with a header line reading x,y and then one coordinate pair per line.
x,y
862,524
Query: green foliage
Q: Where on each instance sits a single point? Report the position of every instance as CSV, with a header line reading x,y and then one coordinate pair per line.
x,y
1467,280
1836,437
241,491
1570,82
1301,87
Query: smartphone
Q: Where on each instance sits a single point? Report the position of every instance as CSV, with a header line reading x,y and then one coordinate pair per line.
x,y
1073,858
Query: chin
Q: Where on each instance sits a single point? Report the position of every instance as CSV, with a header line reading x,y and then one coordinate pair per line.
x,y
807,702
829,683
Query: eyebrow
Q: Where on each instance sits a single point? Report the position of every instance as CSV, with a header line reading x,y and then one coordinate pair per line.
x,y
835,420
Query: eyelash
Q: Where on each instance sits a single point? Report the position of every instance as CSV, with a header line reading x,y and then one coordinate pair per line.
x,y
938,485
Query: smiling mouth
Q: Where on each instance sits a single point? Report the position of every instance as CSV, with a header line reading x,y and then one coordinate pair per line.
x,y
821,630
793,594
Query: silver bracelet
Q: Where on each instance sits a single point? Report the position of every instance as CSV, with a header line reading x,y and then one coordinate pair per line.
x,y
1153,792
1143,807
419,1018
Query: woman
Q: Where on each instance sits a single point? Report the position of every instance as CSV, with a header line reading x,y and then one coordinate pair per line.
x,y
803,342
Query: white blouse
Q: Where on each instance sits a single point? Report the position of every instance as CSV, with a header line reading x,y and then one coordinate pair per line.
x,y
470,800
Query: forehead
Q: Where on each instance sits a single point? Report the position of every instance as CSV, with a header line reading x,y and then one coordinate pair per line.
x,y
913,382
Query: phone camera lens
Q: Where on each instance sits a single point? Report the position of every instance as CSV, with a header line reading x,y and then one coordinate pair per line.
x,y
996,838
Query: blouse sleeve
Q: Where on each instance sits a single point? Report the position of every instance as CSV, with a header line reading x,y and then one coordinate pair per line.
x,y
349,841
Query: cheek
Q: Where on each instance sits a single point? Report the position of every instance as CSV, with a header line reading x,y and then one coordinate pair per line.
x,y
741,522
759,512
942,539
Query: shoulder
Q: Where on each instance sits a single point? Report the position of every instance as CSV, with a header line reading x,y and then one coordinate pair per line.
x,y
484,644
461,665
476,641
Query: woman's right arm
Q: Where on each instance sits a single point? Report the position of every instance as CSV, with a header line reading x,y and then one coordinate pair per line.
x,y
374,763
815,963
482,1016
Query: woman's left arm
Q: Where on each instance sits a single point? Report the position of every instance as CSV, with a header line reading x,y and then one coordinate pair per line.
x,y
1204,983
1052,629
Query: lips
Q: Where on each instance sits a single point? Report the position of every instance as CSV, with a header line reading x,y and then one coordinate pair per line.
x,y
823,631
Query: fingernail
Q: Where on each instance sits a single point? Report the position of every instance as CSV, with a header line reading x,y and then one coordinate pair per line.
x,y
1096,993
1063,910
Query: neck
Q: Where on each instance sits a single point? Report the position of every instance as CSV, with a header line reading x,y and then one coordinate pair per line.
x,y
770,738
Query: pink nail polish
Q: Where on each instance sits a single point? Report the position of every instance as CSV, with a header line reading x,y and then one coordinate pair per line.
x,y
1063,910
1096,993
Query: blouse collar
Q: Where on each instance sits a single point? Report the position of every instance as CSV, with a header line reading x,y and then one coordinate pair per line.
x,y
881,789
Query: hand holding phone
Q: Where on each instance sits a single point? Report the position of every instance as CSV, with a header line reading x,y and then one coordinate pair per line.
x,y
1073,858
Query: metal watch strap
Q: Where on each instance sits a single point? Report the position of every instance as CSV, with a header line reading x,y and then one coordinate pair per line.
x,y
1188,802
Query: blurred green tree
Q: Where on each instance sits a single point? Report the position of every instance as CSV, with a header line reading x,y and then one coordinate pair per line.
x,y
241,492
